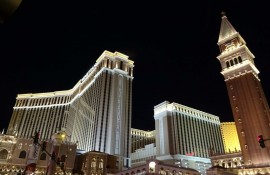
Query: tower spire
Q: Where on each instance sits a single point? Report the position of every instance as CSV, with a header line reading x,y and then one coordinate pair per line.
x,y
226,29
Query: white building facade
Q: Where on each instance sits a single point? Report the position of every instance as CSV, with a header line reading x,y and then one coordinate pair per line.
x,y
96,112
186,136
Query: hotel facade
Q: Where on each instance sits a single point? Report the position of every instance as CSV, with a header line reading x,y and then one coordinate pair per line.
x,y
181,130
184,137
95,113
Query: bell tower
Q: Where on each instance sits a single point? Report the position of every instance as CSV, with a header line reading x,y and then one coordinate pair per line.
x,y
248,102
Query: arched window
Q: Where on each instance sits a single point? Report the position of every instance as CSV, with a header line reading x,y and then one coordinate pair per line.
x,y
22,155
93,163
227,64
100,165
43,156
246,147
152,166
121,65
3,154
235,60
161,171
243,132
239,59
231,62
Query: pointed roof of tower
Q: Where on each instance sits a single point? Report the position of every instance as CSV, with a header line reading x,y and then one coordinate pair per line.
x,y
226,29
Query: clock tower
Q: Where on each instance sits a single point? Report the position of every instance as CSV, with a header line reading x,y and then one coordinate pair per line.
x,y
248,102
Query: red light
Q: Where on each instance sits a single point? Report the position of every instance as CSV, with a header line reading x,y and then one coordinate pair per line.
x,y
260,137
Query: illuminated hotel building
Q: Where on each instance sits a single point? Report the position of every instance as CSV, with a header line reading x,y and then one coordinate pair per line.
x,y
140,138
96,112
142,146
248,102
230,137
184,130
186,135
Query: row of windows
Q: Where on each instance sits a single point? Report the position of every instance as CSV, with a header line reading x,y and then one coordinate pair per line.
x,y
137,132
4,154
88,105
107,64
140,143
187,129
42,101
118,64
196,113
22,155
52,120
233,61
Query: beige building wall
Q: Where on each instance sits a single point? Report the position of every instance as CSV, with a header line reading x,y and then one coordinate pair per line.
x,y
97,163
17,153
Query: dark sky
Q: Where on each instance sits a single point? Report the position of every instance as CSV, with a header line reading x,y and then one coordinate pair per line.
x,y
48,46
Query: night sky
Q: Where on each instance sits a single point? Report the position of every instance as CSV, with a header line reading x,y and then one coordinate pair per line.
x,y
49,46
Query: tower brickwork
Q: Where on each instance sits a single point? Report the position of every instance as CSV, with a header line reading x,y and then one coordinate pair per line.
x,y
248,102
